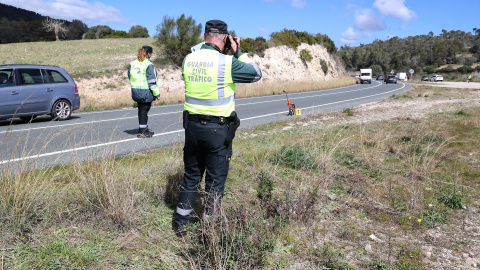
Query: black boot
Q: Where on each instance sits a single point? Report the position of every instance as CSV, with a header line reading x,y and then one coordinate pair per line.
x,y
144,133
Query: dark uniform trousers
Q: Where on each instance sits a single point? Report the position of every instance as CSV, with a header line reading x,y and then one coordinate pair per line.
x,y
143,109
204,152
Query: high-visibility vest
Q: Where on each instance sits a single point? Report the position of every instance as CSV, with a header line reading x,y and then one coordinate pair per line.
x,y
138,77
209,87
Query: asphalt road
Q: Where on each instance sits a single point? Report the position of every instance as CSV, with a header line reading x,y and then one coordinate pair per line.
x,y
111,133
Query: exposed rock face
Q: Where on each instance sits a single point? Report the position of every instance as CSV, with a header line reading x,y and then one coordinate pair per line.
x,y
284,64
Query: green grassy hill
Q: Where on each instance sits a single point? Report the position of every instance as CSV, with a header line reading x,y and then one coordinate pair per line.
x,y
79,57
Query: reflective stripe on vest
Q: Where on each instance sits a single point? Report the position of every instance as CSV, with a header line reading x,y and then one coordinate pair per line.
x,y
208,83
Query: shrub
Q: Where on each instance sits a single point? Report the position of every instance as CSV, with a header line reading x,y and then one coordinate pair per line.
x,y
452,198
329,44
305,37
324,66
118,34
295,157
138,31
465,69
348,111
440,62
286,37
433,217
176,37
257,46
296,204
305,56
266,184
98,31
241,239
430,69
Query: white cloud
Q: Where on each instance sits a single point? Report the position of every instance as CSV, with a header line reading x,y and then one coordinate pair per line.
x,y
350,36
95,13
299,3
295,3
395,8
366,19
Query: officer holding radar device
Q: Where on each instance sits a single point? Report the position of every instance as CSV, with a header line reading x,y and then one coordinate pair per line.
x,y
209,118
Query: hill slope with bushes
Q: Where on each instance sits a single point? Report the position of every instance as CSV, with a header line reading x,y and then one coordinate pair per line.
x,y
450,52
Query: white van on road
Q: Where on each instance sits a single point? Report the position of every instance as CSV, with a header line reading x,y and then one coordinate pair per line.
x,y
366,75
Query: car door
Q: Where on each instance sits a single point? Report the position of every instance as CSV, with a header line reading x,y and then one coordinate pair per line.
x,y
11,96
38,93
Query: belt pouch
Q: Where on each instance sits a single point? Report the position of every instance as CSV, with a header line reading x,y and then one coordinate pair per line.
x,y
232,128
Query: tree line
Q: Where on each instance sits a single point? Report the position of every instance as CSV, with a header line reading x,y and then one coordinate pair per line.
x,y
19,25
423,53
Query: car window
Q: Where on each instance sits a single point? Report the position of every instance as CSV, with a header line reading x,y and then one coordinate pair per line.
x,y
55,76
7,77
30,76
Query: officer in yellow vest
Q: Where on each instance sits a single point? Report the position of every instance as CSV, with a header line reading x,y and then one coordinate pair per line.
x,y
210,120
143,80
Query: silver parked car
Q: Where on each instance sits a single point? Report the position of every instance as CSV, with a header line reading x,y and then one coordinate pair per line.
x,y
436,78
27,91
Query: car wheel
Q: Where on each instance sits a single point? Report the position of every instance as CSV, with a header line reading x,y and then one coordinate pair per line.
x,y
61,110
395,82
28,118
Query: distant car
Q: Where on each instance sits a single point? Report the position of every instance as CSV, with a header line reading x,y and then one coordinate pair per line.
x,y
379,77
425,78
32,90
436,78
391,79
357,78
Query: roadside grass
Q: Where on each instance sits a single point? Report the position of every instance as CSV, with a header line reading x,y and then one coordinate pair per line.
x,y
307,193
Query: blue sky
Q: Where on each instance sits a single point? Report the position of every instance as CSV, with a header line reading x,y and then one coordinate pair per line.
x,y
346,22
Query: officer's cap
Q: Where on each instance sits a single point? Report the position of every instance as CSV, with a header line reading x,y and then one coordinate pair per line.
x,y
147,49
216,26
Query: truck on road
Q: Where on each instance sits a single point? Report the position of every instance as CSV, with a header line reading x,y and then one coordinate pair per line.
x,y
366,75
402,76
